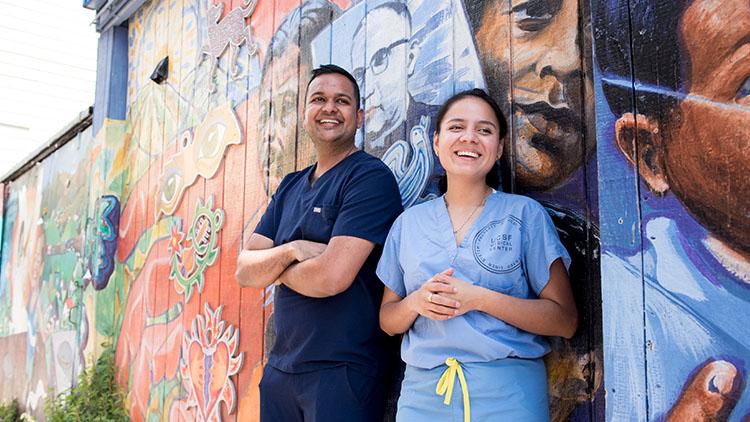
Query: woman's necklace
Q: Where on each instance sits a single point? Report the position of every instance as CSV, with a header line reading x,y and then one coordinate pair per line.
x,y
481,204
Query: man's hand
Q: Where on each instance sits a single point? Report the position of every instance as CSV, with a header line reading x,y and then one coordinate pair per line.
x,y
431,300
306,249
260,263
326,270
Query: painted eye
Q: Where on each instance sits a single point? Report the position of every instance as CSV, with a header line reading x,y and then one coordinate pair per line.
x,y
171,187
359,74
535,15
289,101
744,90
211,145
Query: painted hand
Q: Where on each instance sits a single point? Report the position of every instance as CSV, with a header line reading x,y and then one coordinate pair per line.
x,y
430,300
305,249
710,394
462,292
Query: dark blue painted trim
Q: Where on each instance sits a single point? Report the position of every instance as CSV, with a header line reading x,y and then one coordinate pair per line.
x,y
111,76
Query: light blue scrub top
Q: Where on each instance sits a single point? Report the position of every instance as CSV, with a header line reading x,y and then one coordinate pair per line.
x,y
509,249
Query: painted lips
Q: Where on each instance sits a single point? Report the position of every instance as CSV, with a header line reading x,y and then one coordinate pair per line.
x,y
555,123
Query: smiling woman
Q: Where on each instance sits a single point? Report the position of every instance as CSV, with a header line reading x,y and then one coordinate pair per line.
x,y
474,280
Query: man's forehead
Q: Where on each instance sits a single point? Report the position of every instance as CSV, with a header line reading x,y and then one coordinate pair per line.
x,y
331,84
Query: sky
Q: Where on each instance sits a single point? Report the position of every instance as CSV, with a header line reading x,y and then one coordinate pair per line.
x,y
47,72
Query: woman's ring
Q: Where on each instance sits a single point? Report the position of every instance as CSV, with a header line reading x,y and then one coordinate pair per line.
x,y
429,297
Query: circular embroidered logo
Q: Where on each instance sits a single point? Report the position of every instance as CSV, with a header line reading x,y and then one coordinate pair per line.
x,y
495,245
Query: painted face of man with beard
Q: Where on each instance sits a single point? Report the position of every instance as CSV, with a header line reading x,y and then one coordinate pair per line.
x,y
278,115
537,42
283,144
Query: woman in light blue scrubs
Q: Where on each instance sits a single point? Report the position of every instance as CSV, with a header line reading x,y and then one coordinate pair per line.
x,y
475,280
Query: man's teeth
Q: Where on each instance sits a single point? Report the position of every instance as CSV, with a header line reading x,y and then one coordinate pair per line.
x,y
467,154
329,121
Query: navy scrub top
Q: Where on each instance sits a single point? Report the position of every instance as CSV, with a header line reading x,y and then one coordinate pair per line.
x,y
358,197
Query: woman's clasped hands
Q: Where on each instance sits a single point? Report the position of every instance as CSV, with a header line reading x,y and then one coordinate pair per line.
x,y
443,297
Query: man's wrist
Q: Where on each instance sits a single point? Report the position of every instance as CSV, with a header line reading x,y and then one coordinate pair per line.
x,y
290,253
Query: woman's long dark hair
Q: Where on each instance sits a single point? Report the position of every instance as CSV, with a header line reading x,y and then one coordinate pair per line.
x,y
494,176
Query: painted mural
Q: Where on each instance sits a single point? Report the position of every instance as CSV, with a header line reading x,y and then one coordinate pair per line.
x,y
130,235
673,135
56,299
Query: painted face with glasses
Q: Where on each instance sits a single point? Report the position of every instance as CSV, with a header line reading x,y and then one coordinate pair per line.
x,y
383,60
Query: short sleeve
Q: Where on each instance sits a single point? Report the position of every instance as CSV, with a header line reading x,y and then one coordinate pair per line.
x,y
268,224
389,269
370,204
542,248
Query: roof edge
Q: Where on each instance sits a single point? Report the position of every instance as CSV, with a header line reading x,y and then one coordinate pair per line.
x,y
69,131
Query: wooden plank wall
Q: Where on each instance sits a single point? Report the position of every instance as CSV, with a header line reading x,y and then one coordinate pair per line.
x,y
672,140
197,158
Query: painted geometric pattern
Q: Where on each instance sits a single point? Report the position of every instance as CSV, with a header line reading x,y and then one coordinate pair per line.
x,y
191,255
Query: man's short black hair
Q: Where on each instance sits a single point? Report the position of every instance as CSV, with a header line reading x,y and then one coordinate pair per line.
x,y
328,69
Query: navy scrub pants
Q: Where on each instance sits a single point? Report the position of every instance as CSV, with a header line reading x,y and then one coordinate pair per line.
x,y
330,395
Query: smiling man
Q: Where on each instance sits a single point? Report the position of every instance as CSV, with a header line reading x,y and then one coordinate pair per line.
x,y
319,240
287,63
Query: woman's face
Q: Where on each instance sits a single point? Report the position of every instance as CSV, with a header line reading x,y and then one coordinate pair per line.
x,y
468,142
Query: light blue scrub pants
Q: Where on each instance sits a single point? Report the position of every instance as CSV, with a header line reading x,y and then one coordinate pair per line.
x,y
508,389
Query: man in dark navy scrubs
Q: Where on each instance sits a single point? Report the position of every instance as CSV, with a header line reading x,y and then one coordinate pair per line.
x,y
320,240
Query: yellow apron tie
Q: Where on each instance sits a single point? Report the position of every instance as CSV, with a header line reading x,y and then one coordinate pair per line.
x,y
445,385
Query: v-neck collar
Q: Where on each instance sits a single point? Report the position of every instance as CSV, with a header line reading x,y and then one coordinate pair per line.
x,y
310,170
446,227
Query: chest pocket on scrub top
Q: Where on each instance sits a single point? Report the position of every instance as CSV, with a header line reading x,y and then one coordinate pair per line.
x,y
317,223
497,248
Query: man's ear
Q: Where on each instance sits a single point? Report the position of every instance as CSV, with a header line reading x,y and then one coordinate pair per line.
x,y
647,132
360,117
411,61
